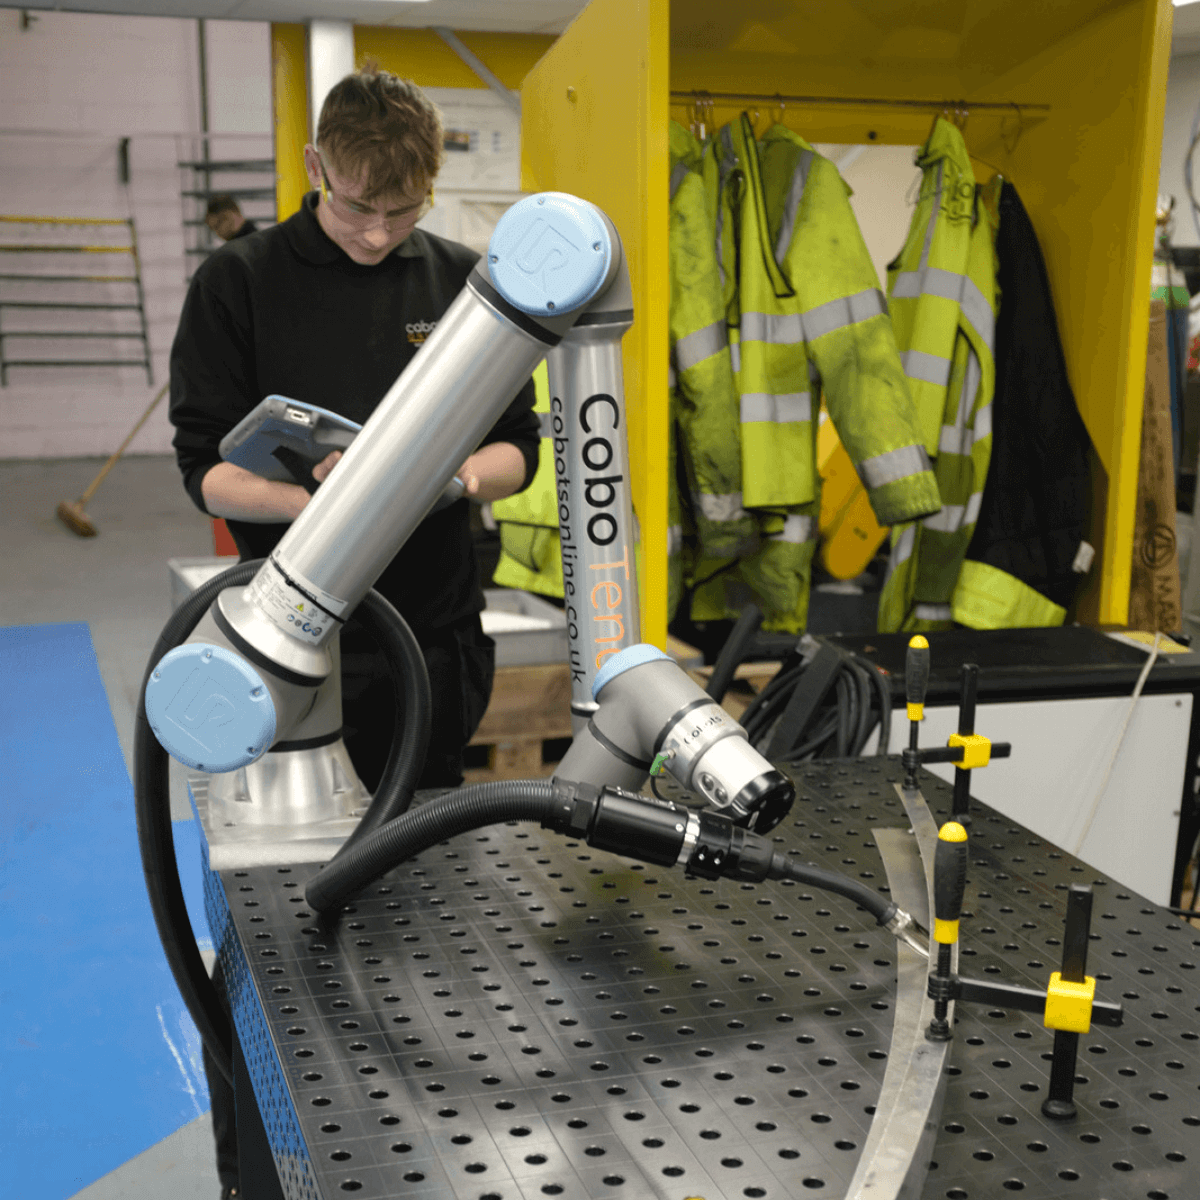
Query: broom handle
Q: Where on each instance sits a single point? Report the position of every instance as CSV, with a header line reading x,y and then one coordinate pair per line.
x,y
108,466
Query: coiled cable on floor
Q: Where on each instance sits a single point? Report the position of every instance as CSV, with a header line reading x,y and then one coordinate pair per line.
x,y
152,791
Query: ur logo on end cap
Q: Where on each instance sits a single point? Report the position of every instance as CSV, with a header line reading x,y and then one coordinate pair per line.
x,y
550,254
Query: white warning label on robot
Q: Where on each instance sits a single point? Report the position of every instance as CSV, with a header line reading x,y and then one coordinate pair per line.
x,y
296,605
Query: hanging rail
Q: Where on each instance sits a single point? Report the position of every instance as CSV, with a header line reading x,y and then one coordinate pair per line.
x,y
762,98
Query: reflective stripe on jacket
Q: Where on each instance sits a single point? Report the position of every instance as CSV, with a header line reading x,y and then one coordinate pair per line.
x,y
943,300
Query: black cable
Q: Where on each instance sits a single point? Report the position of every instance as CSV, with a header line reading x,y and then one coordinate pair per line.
x,y
859,701
152,795
863,729
458,812
410,735
152,803
845,711
885,702
733,651
877,904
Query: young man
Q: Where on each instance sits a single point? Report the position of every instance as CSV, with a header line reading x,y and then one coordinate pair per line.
x,y
225,219
328,307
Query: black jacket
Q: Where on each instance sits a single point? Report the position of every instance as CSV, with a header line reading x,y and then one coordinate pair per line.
x,y
287,312
1035,500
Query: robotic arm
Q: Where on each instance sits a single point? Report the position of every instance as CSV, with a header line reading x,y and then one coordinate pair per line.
x,y
259,670
252,695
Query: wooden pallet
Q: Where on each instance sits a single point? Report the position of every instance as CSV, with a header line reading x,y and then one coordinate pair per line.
x,y
529,707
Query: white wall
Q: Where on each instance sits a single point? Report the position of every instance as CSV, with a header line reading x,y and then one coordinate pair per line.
x,y
1183,99
884,180
71,86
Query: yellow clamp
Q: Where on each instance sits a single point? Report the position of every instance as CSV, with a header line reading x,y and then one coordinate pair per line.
x,y
1069,1005
916,711
977,750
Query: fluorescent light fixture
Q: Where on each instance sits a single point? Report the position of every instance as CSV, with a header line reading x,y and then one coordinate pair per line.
x,y
1177,3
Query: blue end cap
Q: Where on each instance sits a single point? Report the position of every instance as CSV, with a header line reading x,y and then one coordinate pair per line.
x,y
550,254
209,708
625,660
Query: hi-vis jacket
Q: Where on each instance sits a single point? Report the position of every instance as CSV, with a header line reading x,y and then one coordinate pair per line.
x,y
530,555
804,315
943,301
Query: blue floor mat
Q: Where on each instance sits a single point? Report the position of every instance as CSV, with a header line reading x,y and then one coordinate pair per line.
x,y
98,1057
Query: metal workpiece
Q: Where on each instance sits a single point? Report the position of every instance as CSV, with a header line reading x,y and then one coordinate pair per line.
x,y
512,1014
430,421
895,1160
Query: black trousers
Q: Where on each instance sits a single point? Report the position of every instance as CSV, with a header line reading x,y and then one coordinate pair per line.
x,y
460,659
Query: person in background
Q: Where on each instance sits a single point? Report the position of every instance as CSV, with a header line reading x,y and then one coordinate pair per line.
x,y
225,219
329,307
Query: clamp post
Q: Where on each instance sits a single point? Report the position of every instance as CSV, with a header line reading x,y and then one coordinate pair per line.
x,y
968,689
1069,1005
949,885
916,682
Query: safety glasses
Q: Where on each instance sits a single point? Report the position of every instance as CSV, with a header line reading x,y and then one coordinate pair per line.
x,y
360,215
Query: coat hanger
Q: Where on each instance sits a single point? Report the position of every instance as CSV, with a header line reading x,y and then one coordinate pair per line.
x,y
700,115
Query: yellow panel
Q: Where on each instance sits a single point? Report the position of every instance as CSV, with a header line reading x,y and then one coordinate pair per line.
x,y
1088,176
1086,170
422,56
289,97
594,123
885,47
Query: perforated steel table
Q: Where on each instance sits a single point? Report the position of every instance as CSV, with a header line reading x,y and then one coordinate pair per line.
x,y
511,1016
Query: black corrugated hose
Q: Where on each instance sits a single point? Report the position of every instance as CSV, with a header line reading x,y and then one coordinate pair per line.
x,y
153,797
859,701
456,812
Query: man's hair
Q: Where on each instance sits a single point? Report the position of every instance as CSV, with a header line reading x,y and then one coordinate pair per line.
x,y
220,204
377,125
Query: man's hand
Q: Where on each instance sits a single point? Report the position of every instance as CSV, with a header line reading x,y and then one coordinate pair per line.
x,y
321,471
492,472
230,491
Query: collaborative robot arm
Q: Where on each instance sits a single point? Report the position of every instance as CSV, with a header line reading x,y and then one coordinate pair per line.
x,y
258,671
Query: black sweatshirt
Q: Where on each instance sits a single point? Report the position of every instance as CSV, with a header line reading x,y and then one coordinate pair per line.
x,y
286,312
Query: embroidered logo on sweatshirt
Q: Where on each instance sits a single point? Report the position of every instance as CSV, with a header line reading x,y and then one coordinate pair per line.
x,y
418,331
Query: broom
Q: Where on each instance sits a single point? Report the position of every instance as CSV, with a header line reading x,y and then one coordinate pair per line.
x,y
71,513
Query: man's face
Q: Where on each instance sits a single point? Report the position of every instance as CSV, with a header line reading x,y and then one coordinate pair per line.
x,y
367,230
225,223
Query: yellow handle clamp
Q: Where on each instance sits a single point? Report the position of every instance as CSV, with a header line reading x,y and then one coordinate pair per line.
x,y
977,750
1069,1005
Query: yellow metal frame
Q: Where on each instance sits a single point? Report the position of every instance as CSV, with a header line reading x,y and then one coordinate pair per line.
x,y
595,111
594,117
416,54
289,100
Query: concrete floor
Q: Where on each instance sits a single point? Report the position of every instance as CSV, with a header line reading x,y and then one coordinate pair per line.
x,y
117,583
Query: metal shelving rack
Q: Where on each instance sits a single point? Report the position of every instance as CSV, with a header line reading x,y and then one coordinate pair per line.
x,y
205,177
21,291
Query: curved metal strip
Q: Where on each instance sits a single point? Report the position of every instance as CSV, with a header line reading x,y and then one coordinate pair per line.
x,y
895,1159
